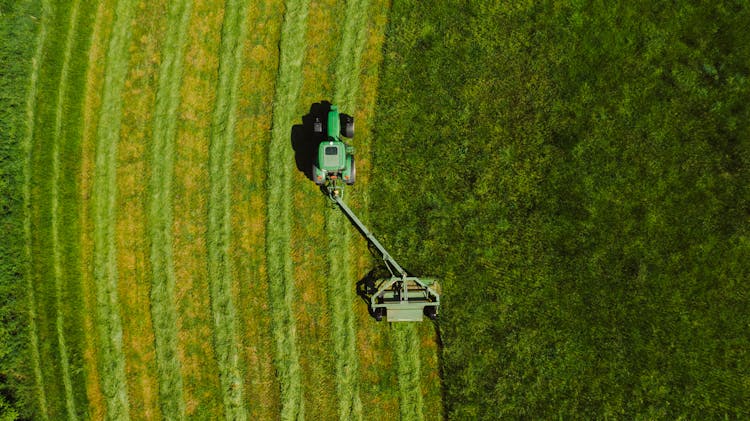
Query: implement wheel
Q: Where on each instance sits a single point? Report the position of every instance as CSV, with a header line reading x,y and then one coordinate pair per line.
x,y
378,313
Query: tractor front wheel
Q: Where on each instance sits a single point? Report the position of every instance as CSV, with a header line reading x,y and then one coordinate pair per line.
x,y
352,171
317,176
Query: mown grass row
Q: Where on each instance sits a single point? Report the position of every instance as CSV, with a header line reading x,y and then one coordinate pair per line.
x,y
27,224
220,270
163,309
57,258
109,322
278,234
94,80
407,346
308,239
133,174
340,288
200,372
252,131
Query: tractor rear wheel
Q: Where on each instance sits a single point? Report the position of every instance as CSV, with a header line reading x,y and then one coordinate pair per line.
x,y
317,126
347,125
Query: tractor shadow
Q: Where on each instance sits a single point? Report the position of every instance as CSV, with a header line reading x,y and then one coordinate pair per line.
x,y
304,139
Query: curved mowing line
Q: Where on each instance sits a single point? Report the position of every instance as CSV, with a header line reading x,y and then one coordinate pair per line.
x,y
113,378
341,295
26,145
219,203
278,233
55,204
163,309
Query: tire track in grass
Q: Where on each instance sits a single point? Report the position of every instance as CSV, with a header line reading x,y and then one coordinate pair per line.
x,y
112,361
341,293
55,211
278,240
163,309
27,148
226,341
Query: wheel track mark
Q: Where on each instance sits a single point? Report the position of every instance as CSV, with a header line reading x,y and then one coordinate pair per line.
x,y
278,243
54,199
219,207
163,309
113,376
31,102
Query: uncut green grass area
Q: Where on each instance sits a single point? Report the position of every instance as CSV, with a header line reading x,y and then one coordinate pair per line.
x,y
577,180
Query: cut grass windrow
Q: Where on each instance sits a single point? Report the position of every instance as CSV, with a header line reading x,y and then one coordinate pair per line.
x,y
406,346
163,309
55,220
226,341
341,293
27,148
280,170
112,358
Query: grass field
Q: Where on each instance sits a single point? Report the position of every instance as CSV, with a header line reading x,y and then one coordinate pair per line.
x,y
575,174
179,266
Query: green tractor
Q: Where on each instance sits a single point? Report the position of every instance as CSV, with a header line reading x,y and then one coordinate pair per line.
x,y
401,297
334,165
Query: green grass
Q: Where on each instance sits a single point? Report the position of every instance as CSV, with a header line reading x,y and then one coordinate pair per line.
x,y
68,192
340,292
113,374
163,309
200,372
57,270
219,220
406,346
20,366
255,97
594,157
278,234
41,216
